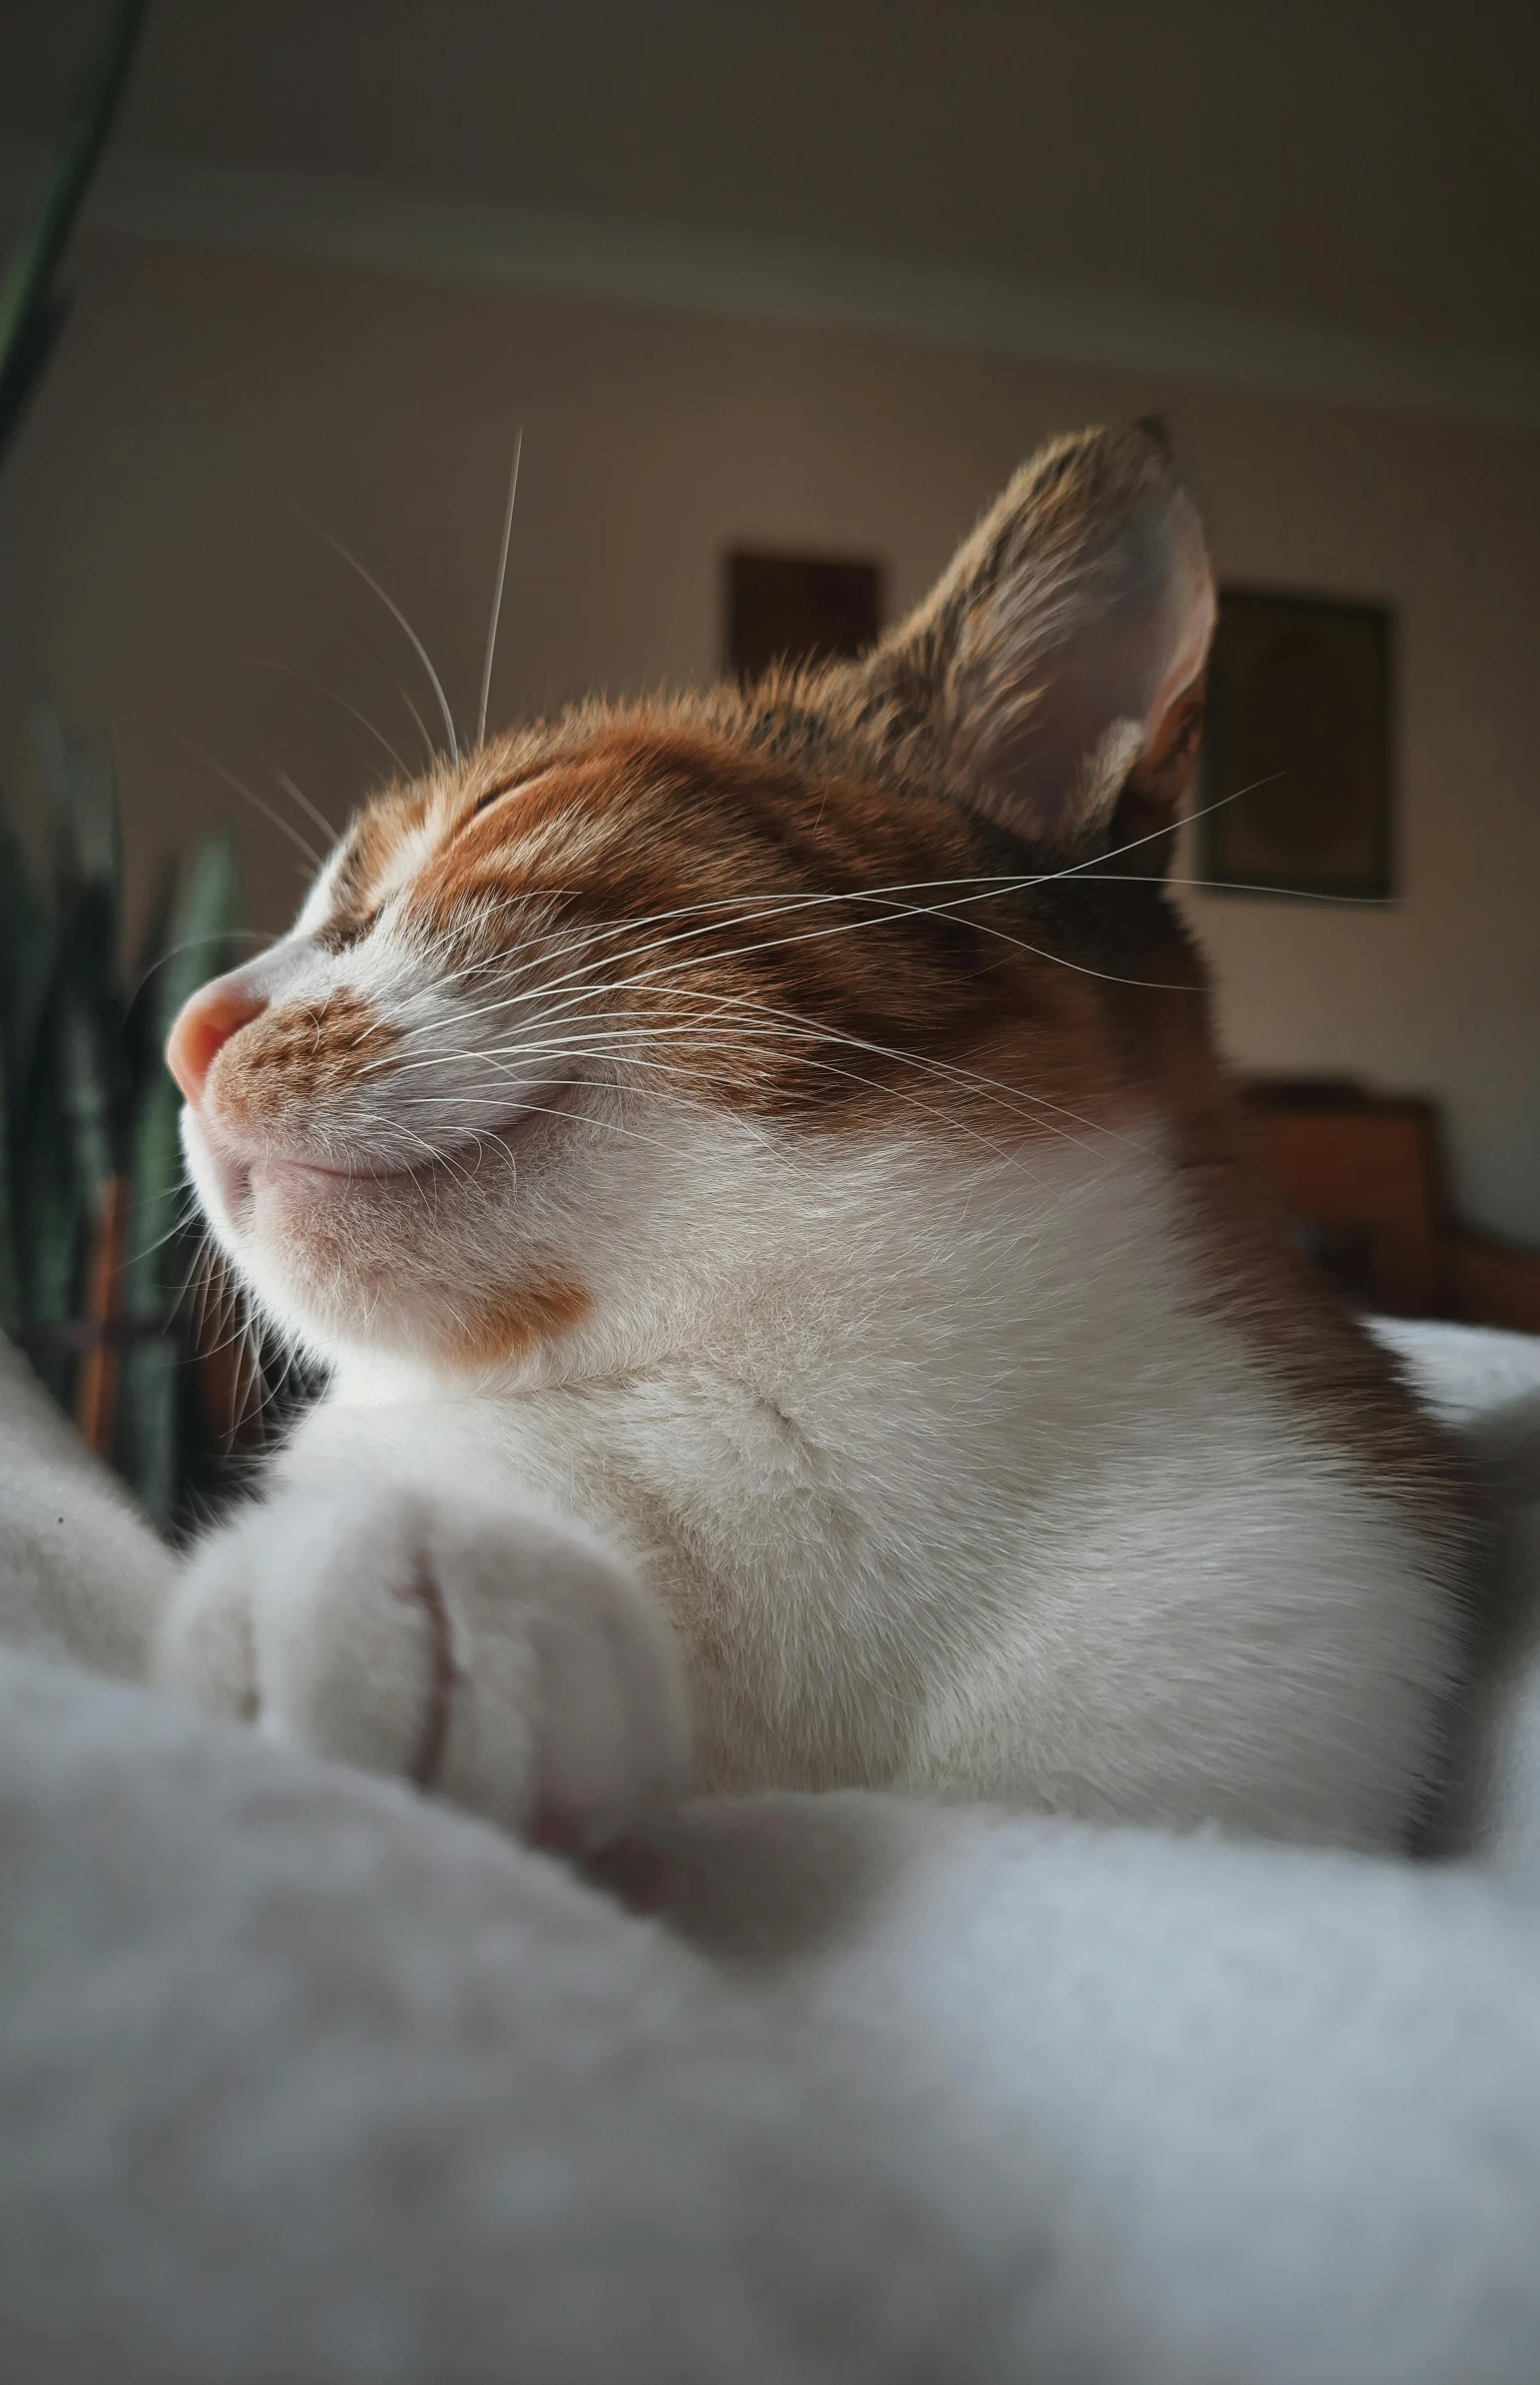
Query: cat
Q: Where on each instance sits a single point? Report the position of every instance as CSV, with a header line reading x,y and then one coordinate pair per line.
x,y
800,1308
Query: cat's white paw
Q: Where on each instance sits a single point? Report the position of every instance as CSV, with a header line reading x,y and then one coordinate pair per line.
x,y
506,1662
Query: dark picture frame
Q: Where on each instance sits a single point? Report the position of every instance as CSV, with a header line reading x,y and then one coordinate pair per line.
x,y
1299,716
789,608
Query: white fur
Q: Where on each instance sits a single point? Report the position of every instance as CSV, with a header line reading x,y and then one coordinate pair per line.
x,y
933,1459
934,1447
81,1573
564,1707
302,2078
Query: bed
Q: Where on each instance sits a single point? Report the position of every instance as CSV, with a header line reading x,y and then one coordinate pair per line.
x,y
306,2077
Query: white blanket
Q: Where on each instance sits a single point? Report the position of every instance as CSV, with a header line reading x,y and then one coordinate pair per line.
x,y
303,2079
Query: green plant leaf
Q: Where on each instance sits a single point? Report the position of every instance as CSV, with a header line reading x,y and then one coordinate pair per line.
x,y
26,955
85,1095
30,309
203,924
10,1253
161,1244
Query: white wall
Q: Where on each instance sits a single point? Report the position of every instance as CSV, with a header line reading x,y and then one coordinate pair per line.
x,y
147,540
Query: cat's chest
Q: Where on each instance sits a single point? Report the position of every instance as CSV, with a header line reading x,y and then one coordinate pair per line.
x,y
1004,1498
916,1397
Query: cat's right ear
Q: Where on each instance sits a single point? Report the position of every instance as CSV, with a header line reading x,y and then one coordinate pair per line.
x,y
1061,657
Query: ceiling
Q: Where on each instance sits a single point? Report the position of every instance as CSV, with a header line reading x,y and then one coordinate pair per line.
x,y
1365,166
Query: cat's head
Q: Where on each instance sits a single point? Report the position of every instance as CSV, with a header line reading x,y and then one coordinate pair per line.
x,y
553,1008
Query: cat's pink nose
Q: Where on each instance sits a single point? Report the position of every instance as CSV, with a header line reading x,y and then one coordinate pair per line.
x,y
204,1028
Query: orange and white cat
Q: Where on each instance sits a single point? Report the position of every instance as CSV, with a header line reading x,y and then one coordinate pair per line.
x,y
799,1308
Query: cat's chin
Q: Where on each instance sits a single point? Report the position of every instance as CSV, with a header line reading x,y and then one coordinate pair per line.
x,y
273,1195
250,1194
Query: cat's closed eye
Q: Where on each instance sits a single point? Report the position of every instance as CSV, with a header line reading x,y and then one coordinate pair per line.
x,y
494,794
347,927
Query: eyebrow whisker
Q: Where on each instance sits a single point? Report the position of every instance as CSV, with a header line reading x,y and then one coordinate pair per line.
x,y
497,591
396,614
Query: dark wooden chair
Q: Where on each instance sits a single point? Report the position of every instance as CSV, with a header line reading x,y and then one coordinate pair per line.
x,y
1362,1178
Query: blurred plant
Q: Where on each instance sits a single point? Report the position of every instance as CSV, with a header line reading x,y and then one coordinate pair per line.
x,y
95,1252
32,308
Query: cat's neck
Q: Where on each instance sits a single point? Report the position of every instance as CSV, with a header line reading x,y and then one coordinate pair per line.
x,y
907,1273
1088,1289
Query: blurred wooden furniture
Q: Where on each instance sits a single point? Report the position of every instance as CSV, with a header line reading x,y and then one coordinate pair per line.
x,y
1362,1179
1492,1282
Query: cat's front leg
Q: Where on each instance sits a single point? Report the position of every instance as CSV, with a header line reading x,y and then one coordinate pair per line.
x,y
503,1660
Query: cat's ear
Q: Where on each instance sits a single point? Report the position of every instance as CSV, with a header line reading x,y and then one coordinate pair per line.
x,y
1059,662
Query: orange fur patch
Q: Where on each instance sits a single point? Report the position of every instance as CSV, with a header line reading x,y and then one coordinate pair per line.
x,y
299,1051
687,863
540,1309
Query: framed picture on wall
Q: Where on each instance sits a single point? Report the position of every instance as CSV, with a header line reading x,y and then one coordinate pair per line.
x,y
1299,719
796,608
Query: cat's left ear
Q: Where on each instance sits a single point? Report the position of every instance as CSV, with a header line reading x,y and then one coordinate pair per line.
x,y
1054,675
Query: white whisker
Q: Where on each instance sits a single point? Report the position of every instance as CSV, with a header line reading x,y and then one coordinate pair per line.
x,y
396,614
418,722
268,662
306,805
284,827
497,592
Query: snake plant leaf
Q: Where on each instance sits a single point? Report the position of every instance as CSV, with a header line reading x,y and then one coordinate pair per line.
x,y
202,925
26,956
11,1316
88,1073
161,1245
82,788
82,793
31,309
26,943
51,1239
86,1102
149,1452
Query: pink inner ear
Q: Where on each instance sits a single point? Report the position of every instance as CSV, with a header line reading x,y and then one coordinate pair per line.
x,y
1075,670
1194,610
